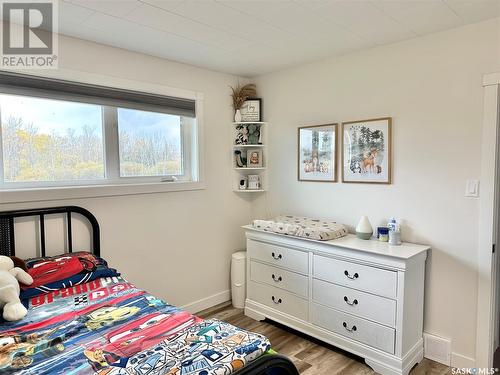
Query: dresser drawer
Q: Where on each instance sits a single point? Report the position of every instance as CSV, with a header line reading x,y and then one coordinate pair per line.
x,y
353,275
279,278
352,301
278,299
355,328
279,256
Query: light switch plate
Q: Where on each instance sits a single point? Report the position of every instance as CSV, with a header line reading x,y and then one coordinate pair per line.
x,y
472,188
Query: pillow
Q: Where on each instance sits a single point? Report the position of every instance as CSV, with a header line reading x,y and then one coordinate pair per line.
x,y
62,271
85,255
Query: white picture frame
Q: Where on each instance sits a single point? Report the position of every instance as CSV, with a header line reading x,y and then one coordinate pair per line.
x,y
254,158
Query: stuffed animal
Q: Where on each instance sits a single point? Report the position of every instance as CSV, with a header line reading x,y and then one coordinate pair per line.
x,y
10,277
18,262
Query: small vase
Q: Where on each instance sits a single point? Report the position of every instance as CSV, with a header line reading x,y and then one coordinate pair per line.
x,y
364,229
239,161
237,116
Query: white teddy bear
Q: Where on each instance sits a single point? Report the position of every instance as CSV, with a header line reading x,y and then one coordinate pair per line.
x,y
10,276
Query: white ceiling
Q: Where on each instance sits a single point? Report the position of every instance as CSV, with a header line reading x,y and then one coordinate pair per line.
x,y
250,37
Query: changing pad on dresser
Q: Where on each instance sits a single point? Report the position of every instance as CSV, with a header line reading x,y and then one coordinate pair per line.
x,y
305,227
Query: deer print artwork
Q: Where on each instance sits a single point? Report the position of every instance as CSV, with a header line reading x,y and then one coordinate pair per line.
x,y
366,151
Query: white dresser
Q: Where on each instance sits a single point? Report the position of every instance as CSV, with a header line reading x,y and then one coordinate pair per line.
x,y
365,297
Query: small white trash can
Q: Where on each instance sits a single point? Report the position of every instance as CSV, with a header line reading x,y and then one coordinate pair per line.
x,y
238,279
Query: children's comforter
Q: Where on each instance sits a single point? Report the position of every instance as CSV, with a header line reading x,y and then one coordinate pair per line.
x,y
108,326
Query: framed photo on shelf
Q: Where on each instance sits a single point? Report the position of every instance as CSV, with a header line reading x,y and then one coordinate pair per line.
x,y
367,150
254,158
251,110
317,149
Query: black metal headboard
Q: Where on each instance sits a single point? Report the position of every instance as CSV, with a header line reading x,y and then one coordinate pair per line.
x,y
7,241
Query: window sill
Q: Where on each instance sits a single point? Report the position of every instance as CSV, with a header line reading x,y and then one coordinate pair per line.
x,y
76,192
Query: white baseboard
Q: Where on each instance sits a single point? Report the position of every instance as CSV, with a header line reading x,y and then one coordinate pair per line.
x,y
462,361
207,302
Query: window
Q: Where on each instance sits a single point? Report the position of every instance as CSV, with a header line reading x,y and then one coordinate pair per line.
x,y
150,143
52,138
48,140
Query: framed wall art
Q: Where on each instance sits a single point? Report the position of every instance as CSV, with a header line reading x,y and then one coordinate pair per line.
x,y
367,150
317,149
254,158
251,110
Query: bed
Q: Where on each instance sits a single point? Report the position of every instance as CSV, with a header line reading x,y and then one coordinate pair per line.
x,y
85,318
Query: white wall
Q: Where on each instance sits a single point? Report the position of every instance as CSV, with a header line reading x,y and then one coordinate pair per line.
x,y
176,245
431,86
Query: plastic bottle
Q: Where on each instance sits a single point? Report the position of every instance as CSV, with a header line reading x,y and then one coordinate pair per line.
x,y
392,224
394,232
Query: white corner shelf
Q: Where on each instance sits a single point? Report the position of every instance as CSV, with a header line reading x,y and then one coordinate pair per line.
x,y
244,146
249,191
249,168
239,173
250,122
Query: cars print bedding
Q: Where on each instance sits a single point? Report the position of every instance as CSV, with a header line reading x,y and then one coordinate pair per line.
x,y
105,325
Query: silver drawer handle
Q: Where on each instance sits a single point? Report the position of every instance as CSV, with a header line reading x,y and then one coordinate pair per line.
x,y
353,329
277,257
277,279
355,302
355,276
276,301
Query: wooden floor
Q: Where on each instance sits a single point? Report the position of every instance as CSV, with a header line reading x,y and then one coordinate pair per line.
x,y
309,355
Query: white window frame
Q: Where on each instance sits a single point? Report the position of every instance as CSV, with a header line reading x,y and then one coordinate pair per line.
x,y
113,184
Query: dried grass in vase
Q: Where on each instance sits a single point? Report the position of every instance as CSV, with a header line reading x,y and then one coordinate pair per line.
x,y
242,93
